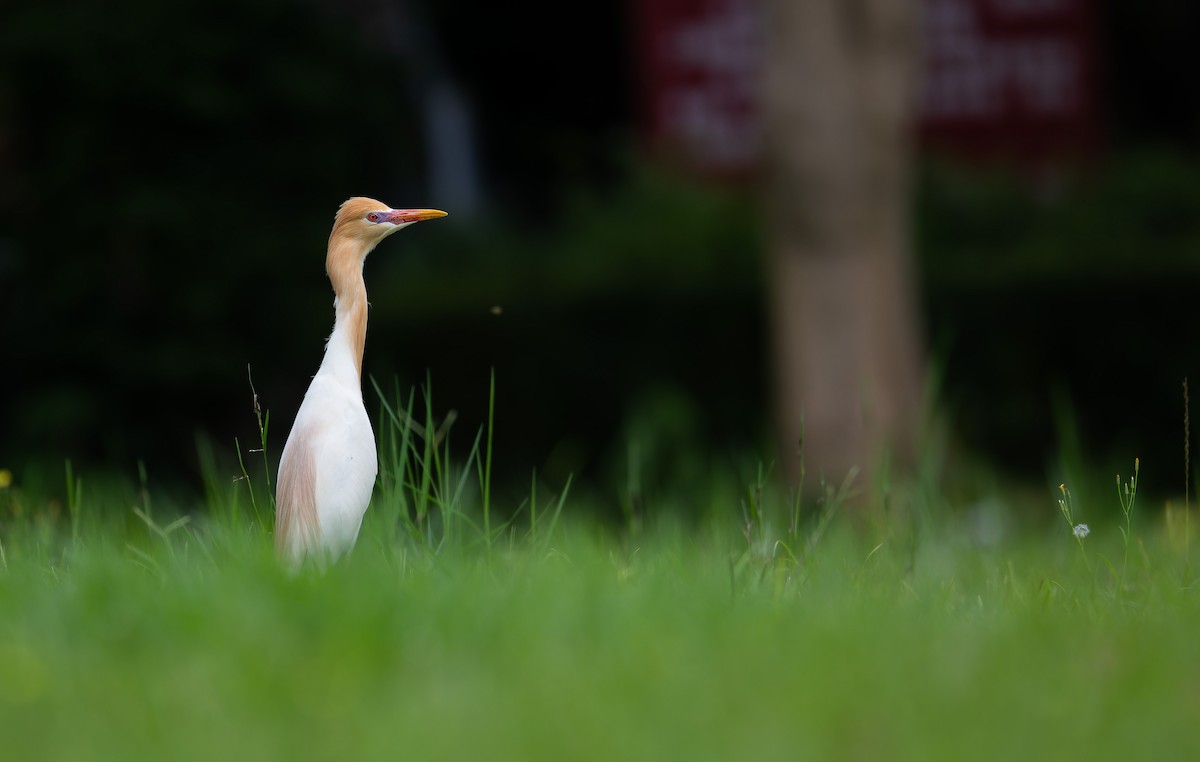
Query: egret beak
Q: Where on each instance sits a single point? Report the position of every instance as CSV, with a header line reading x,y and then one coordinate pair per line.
x,y
406,216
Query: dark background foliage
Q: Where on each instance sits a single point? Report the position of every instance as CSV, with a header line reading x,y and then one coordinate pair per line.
x,y
168,172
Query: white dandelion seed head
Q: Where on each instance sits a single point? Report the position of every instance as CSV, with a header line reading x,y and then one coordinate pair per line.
x,y
1081,531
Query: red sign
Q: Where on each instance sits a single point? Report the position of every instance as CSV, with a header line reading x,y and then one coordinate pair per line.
x,y
1009,77
699,67
1014,77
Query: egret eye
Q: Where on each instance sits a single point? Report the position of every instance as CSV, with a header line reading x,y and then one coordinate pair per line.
x,y
373,217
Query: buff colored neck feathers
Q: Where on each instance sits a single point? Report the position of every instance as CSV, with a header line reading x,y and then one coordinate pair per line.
x,y
344,264
350,241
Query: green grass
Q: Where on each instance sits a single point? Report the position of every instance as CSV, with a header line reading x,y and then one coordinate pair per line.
x,y
737,636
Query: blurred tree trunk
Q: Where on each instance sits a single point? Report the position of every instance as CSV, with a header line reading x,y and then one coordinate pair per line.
x,y
839,101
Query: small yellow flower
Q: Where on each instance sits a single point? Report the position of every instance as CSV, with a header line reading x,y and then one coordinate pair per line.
x,y
5,478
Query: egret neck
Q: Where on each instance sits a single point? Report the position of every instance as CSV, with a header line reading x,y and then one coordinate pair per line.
x,y
344,350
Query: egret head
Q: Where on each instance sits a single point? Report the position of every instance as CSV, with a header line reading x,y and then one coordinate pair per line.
x,y
366,221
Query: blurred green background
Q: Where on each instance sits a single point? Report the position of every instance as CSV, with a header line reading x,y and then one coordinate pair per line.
x,y
169,171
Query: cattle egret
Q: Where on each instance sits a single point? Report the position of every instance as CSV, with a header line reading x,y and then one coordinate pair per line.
x,y
328,466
